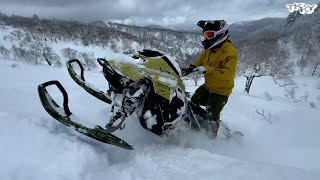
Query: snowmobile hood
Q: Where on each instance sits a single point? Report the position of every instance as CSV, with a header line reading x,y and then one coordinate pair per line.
x,y
164,75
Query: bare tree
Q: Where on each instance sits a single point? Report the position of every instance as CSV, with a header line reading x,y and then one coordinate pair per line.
x,y
4,52
195,77
267,116
315,68
36,53
35,18
264,47
70,53
250,76
16,35
304,35
88,60
27,38
51,57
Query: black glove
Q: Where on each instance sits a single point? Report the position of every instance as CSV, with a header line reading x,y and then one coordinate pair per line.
x,y
186,71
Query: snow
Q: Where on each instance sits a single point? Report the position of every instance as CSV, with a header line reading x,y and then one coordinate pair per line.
x,y
35,146
171,82
5,32
150,120
250,73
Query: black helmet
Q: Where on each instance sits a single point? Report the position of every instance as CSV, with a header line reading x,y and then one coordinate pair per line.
x,y
216,32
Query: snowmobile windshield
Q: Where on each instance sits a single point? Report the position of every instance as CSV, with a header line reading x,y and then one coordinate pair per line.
x,y
145,54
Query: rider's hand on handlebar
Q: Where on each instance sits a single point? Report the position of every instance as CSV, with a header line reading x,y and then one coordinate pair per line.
x,y
188,70
200,70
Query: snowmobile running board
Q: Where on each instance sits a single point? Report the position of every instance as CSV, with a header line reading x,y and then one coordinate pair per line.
x,y
65,116
86,86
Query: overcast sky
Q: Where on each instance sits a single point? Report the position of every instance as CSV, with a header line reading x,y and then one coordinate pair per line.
x,y
145,12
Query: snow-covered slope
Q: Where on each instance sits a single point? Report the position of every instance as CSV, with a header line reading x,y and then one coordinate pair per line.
x,y
35,146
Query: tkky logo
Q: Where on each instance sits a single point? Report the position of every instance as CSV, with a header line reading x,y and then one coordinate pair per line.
x,y
303,8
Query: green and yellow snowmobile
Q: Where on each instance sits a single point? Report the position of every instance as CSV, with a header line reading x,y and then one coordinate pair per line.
x,y
146,83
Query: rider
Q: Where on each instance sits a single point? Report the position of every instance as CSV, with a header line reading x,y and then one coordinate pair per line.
x,y
218,63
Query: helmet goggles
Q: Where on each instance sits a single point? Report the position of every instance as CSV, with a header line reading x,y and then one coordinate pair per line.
x,y
209,34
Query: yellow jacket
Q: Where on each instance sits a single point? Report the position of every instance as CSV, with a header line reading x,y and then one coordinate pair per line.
x,y
220,64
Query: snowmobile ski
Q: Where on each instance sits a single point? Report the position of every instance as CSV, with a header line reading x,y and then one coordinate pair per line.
x,y
81,82
66,117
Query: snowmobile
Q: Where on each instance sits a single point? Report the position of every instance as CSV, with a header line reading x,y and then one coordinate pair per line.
x,y
146,83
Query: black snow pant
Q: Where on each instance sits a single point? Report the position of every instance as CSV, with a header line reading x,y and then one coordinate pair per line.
x,y
214,104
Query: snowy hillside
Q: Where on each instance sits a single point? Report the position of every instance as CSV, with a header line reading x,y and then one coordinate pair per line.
x,y
28,33
281,145
28,48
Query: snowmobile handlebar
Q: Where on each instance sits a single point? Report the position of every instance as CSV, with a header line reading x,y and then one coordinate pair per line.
x,y
188,70
105,65
42,90
184,72
101,61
